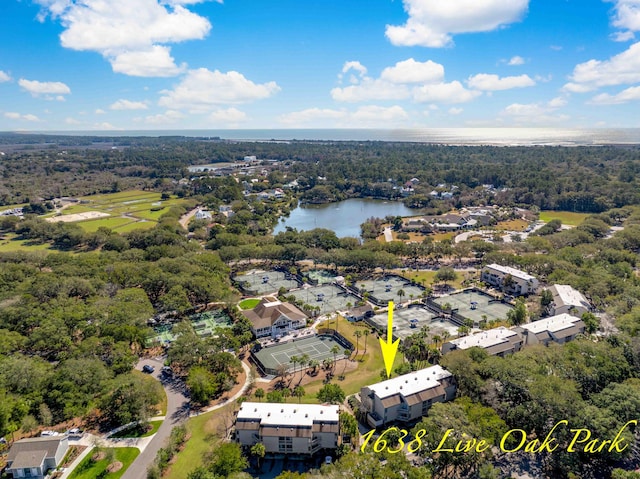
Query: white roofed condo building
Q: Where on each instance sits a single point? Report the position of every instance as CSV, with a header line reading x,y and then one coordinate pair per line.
x,y
560,329
288,428
496,342
520,283
567,299
408,397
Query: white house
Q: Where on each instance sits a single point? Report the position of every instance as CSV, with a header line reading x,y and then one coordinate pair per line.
x,y
566,298
521,283
407,397
203,215
496,342
560,329
35,456
288,428
272,317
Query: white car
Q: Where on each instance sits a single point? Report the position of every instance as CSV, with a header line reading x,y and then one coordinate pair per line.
x,y
49,433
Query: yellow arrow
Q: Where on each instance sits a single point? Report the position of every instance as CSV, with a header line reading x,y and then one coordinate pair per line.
x,y
389,347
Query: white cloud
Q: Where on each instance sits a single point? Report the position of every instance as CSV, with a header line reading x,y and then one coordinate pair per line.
x,y
105,126
627,14
623,68
72,121
536,113
452,92
455,111
370,89
364,116
228,117
354,65
202,90
622,36
100,111
487,82
515,61
17,116
169,116
625,96
4,77
411,71
38,88
128,105
131,34
432,22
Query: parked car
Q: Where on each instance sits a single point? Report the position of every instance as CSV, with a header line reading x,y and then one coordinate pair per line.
x,y
148,369
49,433
74,432
167,371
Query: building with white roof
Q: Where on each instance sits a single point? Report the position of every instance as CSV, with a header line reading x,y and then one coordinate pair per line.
x,y
560,329
521,283
566,298
288,428
496,342
407,397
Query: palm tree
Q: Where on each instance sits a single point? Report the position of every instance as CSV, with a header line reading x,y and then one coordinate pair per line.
x,y
286,393
313,363
298,392
347,353
358,335
294,360
258,451
335,350
400,294
366,334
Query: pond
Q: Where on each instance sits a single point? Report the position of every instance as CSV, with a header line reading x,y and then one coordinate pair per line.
x,y
343,217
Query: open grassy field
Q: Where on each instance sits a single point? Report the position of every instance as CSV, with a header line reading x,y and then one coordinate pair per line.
x,y
89,469
248,303
9,243
567,217
205,434
126,209
512,225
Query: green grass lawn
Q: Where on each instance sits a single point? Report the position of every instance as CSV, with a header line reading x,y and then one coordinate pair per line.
x,y
428,277
137,431
204,431
89,469
136,225
248,303
111,223
9,243
567,217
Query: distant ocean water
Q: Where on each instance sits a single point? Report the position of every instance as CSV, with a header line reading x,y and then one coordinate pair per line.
x,y
448,136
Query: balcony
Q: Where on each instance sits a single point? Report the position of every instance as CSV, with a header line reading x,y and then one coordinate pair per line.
x,y
374,420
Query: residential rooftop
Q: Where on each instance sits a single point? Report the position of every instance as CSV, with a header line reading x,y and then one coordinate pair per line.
x,y
485,339
280,414
552,324
411,383
516,273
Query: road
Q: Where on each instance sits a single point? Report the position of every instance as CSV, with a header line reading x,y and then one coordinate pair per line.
x,y
177,412
388,235
184,219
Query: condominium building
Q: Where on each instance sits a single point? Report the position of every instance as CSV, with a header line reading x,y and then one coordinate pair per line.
x,y
560,329
408,397
496,342
288,428
567,299
518,282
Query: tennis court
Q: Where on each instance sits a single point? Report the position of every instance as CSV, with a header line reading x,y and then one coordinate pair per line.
x,y
205,325
474,304
328,297
404,319
265,282
381,291
315,347
320,276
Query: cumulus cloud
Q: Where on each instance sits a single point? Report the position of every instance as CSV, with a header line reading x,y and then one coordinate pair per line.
x,y
131,34
622,36
169,116
432,22
4,77
623,68
364,116
128,105
12,115
625,96
515,61
489,82
536,113
626,14
37,89
202,90
370,89
228,117
411,71
100,111
452,92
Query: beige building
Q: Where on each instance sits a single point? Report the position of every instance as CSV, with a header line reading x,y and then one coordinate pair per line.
x,y
496,342
288,428
35,456
407,397
521,283
567,299
274,318
560,329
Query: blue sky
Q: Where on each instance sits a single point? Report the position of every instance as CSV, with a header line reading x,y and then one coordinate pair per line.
x,y
174,64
